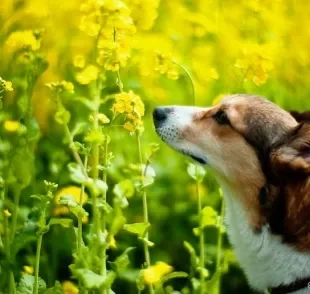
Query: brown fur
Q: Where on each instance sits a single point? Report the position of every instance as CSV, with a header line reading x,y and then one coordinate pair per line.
x,y
290,162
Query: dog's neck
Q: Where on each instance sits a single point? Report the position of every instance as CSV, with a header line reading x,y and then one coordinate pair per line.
x,y
266,260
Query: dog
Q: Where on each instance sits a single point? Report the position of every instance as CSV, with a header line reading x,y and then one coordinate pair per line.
x,y
260,155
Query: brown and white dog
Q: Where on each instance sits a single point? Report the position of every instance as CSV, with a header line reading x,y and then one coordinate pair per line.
x,y
260,155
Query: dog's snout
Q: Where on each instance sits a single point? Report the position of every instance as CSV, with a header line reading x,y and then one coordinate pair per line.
x,y
160,114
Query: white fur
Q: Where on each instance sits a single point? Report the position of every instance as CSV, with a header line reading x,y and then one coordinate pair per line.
x,y
180,118
266,261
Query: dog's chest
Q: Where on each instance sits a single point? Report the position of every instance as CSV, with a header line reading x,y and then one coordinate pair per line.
x,y
266,261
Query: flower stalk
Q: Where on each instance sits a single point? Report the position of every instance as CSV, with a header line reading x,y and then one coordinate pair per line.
x,y
145,210
42,230
15,212
201,240
219,246
80,220
37,264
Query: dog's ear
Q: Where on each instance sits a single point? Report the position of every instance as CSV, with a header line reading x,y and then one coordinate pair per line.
x,y
301,116
292,156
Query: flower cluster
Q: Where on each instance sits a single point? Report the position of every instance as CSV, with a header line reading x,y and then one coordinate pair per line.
x,y
11,126
165,65
88,74
22,40
132,106
110,22
143,12
62,86
5,86
256,63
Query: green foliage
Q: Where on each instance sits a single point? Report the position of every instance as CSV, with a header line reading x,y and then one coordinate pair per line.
x,y
26,285
137,228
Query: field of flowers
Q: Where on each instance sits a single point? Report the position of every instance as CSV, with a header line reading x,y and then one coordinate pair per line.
x,y
91,201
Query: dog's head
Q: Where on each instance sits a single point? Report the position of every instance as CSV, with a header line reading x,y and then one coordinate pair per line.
x,y
229,137
235,137
258,151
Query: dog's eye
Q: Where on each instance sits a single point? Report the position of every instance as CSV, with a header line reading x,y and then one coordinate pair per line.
x,y
221,117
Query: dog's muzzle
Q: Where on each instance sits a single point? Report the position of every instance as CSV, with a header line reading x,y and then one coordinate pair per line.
x,y
160,115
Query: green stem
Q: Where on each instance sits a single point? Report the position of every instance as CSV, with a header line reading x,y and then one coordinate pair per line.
x,y
201,240
37,265
15,212
95,161
12,283
6,237
80,221
103,271
219,248
73,150
145,211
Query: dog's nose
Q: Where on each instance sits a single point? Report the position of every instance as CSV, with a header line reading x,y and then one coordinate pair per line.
x,y
160,114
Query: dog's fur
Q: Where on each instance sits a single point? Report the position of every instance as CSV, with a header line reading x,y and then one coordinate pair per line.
x,y
260,155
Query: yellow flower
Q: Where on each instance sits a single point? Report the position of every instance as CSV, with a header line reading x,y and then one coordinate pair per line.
x,y
8,86
79,61
155,273
28,269
89,25
129,126
61,86
128,102
173,72
5,85
69,288
61,210
11,125
85,219
22,39
7,213
103,118
87,75
144,13
68,86
72,191
131,105
256,63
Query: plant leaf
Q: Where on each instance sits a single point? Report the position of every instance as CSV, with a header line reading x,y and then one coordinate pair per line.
x,y
57,289
65,222
92,280
192,254
174,275
122,261
137,228
26,284
76,172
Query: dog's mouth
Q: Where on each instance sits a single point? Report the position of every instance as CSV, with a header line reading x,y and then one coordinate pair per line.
x,y
172,138
194,157
198,159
